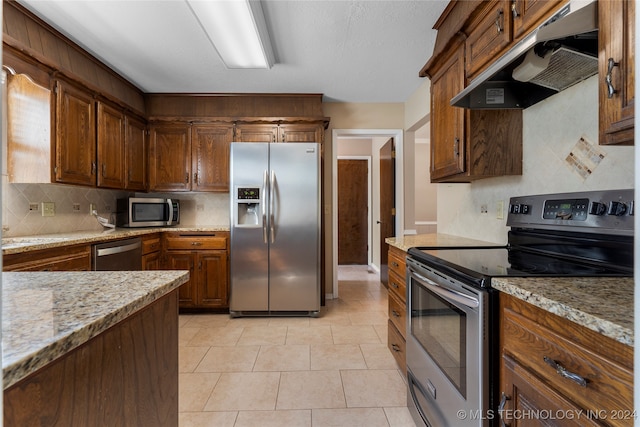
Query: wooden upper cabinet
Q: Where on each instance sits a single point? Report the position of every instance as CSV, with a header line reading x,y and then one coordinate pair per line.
x,y
210,148
75,138
447,128
111,147
489,36
297,132
136,154
616,70
170,157
256,133
527,14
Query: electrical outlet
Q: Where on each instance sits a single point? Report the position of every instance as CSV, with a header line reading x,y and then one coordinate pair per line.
x,y
34,207
199,207
484,209
92,208
48,209
500,209
76,207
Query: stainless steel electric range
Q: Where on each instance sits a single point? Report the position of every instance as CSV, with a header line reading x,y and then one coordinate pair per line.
x,y
452,339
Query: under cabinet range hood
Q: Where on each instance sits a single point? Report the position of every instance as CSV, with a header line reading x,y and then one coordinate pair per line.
x,y
559,53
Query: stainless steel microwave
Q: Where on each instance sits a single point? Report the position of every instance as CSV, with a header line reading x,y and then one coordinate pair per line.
x,y
147,212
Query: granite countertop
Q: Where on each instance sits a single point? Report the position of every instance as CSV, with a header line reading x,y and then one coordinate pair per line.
x,y
14,245
47,314
603,304
435,239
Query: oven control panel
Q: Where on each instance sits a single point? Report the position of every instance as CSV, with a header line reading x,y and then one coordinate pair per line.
x,y
605,211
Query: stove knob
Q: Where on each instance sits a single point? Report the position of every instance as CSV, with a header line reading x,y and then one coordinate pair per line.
x,y
597,208
617,208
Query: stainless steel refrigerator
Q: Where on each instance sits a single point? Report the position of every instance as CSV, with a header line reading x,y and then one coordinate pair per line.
x,y
275,229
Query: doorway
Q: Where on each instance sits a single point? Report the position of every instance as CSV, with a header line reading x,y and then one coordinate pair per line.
x,y
379,135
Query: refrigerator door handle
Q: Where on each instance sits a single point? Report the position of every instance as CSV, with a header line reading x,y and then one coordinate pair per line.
x,y
272,186
264,207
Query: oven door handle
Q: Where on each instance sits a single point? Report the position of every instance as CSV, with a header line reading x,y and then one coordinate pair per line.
x,y
446,293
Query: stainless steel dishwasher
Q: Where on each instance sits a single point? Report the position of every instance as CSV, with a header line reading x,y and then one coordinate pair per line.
x,y
117,256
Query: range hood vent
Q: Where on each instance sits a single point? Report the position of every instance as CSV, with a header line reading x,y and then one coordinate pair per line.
x,y
560,53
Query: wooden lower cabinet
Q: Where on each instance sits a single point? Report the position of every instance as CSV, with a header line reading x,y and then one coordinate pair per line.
x,y
561,369
126,376
151,252
205,255
72,258
397,325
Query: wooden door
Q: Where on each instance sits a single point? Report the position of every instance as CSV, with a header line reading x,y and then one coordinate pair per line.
x,y
75,136
529,13
210,147
256,133
111,149
136,155
353,212
447,126
170,158
387,204
213,289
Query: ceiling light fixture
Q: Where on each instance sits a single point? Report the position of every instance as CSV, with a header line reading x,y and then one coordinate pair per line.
x,y
237,30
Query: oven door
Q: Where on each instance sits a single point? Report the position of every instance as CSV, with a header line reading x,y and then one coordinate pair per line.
x,y
446,349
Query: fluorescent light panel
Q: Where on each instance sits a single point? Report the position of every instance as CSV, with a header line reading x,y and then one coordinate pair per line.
x,y
237,30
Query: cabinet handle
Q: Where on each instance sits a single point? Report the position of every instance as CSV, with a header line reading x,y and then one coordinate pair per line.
x,y
500,21
104,170
608,78
93,168
395,313
395,264
186,177
456,147
503,402
562,371
196,243
195,178
395,348
514,9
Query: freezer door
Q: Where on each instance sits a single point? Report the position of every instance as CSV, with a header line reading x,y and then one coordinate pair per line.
x,y
294,230
249,260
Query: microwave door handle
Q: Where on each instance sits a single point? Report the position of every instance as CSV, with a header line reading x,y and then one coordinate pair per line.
x,y
264,207
272,192
170,207
449,294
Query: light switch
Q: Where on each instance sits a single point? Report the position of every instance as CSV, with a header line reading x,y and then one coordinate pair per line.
x,y
48,209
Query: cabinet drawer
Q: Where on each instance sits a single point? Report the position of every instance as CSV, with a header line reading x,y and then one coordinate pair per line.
x,y
397,345
59,259
150,245
489,38
609,385
398,287
398,314
397,263
189,242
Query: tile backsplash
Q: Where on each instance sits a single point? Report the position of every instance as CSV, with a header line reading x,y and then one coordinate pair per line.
x,y
197,209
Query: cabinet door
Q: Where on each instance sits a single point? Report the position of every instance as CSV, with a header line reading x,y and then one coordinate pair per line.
x,y
210,147
491,34
151,261
170,158
300,133
256,133
447,126
213,289
136,155
528,13
524,395
75,136
616,42
184,261
111,153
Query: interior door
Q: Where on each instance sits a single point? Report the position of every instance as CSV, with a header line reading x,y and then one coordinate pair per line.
x,y
353,212
387,204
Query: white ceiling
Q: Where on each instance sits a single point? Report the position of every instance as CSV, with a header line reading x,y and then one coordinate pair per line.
x,y
350,51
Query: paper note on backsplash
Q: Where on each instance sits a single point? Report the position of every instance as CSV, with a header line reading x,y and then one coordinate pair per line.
x,y
584,158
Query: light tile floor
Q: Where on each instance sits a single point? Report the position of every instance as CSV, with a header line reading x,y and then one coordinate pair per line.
x,y
335,370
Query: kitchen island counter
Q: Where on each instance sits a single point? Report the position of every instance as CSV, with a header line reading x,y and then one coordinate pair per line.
x,y
45,315
602,304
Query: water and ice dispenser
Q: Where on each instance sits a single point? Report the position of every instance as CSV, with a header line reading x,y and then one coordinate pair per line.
x,y
248,207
